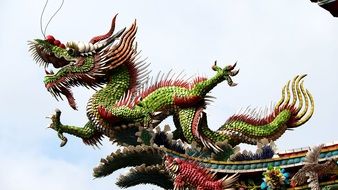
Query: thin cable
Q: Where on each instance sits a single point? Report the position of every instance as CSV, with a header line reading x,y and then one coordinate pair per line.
x,y
53,16
43,11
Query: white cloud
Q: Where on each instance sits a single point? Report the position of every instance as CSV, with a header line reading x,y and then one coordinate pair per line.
x,y
35,171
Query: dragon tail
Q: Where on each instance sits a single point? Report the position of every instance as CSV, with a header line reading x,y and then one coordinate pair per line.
x,y
295,108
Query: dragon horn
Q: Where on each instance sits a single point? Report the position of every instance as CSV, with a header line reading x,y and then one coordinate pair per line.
x,y
110,32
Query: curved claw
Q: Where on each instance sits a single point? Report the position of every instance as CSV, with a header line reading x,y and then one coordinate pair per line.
x,y
231,67
227,72
56,125
56,119
234,73
63,139
233,84
214,67
57,113
230,82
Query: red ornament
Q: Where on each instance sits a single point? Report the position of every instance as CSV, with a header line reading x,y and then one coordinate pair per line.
x,y
50,39
62,46
57,42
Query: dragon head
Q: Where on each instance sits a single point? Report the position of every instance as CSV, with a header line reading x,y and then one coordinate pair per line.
x,y
82,64
51,51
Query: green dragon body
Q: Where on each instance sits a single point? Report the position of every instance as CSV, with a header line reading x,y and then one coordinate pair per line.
x,y
127,107
127,102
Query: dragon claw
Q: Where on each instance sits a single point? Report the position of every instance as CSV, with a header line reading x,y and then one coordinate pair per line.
x,y
234,73
56,125
230,67
231,73
233,84
227,72
215,67
230,82
63,139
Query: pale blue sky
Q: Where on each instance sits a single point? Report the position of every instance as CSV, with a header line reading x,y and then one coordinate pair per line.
x,y
272,41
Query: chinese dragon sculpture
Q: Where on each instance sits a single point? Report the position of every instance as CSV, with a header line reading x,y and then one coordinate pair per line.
x,y
128,107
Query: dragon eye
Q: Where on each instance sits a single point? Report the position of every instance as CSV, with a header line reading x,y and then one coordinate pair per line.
x,y
71,51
